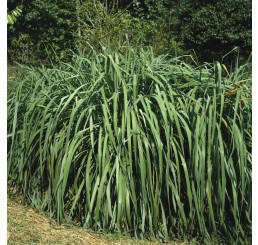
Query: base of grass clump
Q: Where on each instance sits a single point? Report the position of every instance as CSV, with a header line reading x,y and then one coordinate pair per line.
x,y
129,142
25,225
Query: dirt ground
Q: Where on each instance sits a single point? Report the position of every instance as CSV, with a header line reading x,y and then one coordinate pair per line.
x,y
26,226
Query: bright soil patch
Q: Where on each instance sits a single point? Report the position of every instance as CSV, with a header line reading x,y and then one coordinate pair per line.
x,y
25,226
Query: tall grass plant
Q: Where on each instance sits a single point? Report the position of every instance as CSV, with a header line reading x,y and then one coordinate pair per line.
x,y
127,141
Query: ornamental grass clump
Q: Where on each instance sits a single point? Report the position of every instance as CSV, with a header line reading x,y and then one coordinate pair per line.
x,y
126,141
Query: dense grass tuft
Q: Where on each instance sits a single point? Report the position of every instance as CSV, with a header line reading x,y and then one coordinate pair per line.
x,y
128,141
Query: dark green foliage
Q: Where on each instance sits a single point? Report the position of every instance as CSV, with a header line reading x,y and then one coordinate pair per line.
x,y
48,29
210,29
47,25
214,28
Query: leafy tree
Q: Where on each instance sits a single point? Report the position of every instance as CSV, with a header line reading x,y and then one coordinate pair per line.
x,y
211,28
48,24
214,28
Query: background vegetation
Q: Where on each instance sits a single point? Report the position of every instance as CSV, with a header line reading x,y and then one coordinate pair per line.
x,y
207,29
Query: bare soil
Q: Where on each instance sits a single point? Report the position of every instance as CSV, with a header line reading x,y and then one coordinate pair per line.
x,y
27,226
